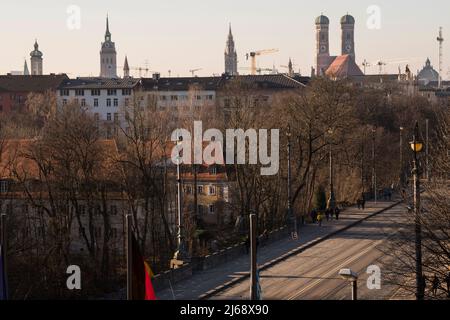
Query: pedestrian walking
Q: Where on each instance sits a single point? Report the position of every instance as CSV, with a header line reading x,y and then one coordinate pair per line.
x,y
435,285
314,215
337,212
363,203
320,218
327,214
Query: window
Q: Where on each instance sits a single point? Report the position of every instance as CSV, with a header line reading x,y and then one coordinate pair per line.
x,y
127,102
95,102
199,97
212,209
96,117
163,98
116,102
174,98
95,92
108,102
212,190
4,186
83,102
213,170
76,101
116,117
112,92
210,97
188,190
79,92
108,116
64,102
114,210
114,233
126,92
200,189
227,103
200,209
64,92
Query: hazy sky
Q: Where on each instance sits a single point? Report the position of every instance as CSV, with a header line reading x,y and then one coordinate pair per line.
x,y
180,35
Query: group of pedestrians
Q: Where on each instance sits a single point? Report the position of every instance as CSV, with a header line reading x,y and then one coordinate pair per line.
x,y
329,213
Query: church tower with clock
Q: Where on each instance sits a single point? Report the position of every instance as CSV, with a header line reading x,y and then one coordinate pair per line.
x,y
348,35
323,44
108,56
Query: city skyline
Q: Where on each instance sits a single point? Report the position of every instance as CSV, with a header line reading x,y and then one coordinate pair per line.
x,y
185,44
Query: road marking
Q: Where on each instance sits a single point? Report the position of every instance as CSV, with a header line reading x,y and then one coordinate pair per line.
x,y
343,264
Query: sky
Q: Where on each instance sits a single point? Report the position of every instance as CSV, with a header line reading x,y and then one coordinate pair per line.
x,y
180,35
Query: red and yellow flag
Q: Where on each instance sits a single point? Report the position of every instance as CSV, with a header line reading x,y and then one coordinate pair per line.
x,y
142,275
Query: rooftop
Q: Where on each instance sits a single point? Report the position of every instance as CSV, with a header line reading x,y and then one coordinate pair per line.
x,y
32,83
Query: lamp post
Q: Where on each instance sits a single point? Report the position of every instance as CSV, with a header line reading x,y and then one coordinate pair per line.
x,y
291,216
401,176
349,275
181,254
417,147
332,199
374,173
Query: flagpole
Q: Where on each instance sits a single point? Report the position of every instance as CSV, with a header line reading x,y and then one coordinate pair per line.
x,y
128,219
3,243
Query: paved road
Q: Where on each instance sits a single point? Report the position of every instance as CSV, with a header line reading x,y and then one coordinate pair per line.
x,y
313,273
205,281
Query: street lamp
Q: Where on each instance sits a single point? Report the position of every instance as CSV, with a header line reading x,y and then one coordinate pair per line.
x,y
291,216
332,199
401,176
181,254
349,275
374,173
417,147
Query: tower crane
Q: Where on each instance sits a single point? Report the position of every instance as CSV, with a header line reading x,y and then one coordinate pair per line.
x,y
252,55
193,71
258,70
139,69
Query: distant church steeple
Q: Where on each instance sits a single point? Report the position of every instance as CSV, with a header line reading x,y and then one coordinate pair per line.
x,y
126,68
108,56
26,72
230,55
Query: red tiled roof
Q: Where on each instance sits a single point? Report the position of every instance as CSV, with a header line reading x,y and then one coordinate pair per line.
x,y
343,67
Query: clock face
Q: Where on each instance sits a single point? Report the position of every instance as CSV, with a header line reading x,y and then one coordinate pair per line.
x,y
323,49
348,48
107,45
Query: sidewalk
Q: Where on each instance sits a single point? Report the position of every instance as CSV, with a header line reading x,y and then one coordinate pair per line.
x,y
205,283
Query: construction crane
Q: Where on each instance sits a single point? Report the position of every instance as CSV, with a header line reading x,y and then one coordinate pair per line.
x,y
140,69
365,64
252,56
258,70
440,39
193,71
382,63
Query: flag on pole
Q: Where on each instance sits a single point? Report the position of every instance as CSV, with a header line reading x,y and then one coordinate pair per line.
x,y
142,274
3,289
